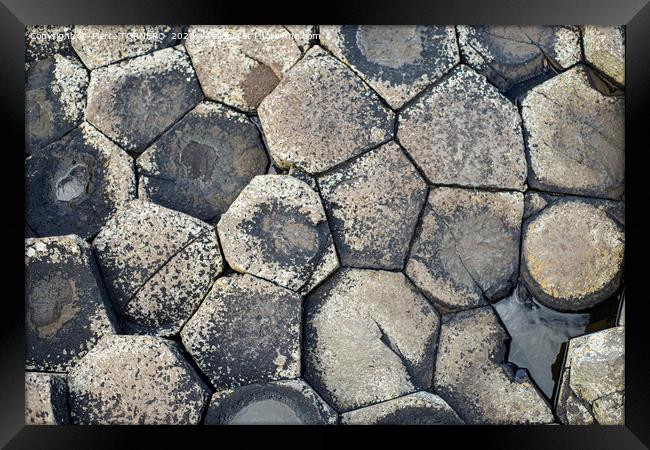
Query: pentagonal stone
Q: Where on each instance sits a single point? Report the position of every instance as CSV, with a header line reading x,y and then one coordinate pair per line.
x,y
100,45
605,50
136,380
157,264
572,255
202,162
463,131
471,377
241,65
291,402
396,61
43,41
373,203
134,101
246,331
511,54
575,136
46,399
67,310
55,98
277,230
369,337
322,114
75,184
467,247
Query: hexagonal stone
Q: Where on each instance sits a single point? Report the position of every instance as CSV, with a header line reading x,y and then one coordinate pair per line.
x,y
247,330
471,376
202,162
136,380
467,247
369,337
322,114
420,408
277,230
46,399
75,184
100,45
67,310
511,54
575,136
572,255
43,41
157,265
134,101
605,50
240,65
462,131
291,402
396,61
55,98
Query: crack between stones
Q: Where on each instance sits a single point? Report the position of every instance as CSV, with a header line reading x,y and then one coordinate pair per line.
x,y
385,339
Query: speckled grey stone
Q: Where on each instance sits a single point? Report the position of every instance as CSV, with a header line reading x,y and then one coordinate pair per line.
x,y
373,204
46,399
75,184
43,41
136,380
605,50
157,265
66,309
322,114
304,35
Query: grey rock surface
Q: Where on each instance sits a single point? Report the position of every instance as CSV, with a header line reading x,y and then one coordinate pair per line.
x,y
44,41
605,50
46,399
304,35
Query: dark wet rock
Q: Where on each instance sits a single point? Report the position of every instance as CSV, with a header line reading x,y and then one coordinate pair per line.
x,y
246,331
240,65
605,50
467,247
396,61
322,114
290,402
132,102
462,131
369,337
277,230
55,98
572,255
136,380
157,264
511,54
46,399
75,184
44,41
621,314
67,310
575,136
472,377
29,232
202,163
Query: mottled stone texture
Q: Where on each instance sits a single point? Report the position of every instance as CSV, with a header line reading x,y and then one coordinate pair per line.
x,y
605,50
43,41
46,399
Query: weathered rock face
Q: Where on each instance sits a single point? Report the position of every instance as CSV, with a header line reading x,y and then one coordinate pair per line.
x,y
277,230
66,310
73,185
246,331
55,97
511,54
420,408
304,35
134,101
44,41
369,337
240,65
291,402
472,377
157,265
373,203
322,114
462,131
467,247
46,399
202,163
575,136
136,380
592,389
572,255
396,61
605,50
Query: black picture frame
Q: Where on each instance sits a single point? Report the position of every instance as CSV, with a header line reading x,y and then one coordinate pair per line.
x,y
16,14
